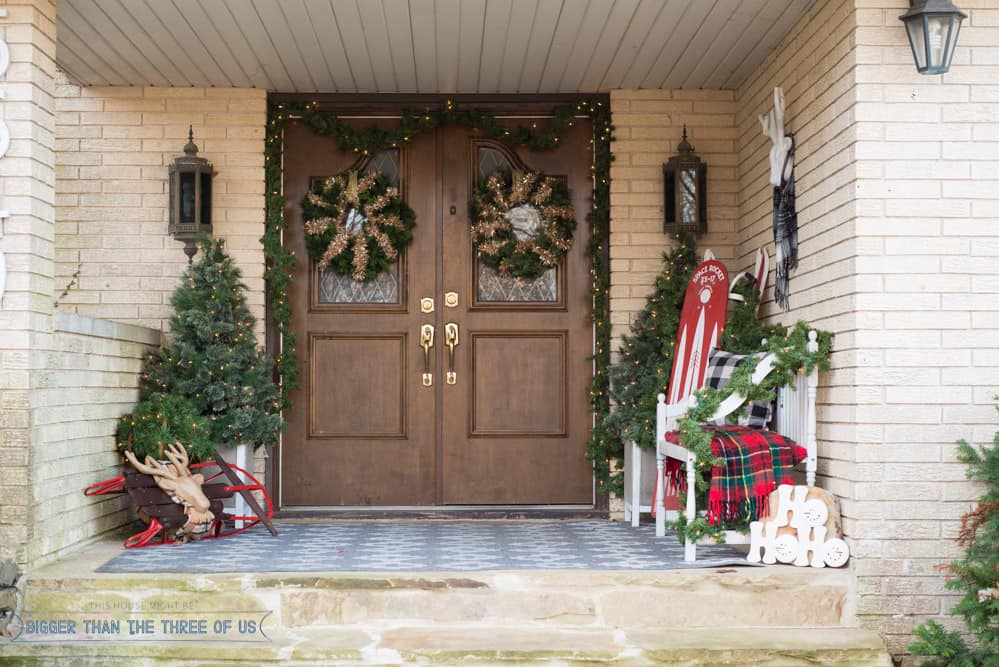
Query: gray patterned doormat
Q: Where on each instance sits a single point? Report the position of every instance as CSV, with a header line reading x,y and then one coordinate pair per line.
x,y
431,546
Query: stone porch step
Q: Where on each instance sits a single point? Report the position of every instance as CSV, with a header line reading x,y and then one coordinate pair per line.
x,y
703,598
720,616
474,645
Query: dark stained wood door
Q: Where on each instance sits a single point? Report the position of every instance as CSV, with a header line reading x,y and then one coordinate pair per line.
x,y
362,429
516,421
512,428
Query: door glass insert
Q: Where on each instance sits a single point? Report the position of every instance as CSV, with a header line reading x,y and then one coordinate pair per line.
x,y
386,162
383,288
493,287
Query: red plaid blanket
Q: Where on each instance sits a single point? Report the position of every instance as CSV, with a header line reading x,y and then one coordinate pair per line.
x,y
755,462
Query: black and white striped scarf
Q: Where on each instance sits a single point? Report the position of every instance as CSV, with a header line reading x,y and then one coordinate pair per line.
x,y
785,233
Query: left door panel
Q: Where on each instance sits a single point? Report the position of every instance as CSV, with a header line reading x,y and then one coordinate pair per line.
x,y
362,432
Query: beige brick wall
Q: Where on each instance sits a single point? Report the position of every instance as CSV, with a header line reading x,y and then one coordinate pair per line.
x,y
112,153
897,197
89,379
27,191
898,200
927,281
815,67
648,125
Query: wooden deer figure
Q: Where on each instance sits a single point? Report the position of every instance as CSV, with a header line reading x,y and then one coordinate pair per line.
x,y
176,480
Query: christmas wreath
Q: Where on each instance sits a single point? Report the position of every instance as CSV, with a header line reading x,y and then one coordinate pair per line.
x,y
356,225
522,222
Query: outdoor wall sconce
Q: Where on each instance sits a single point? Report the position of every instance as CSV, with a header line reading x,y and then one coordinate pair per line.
x,y
685,181
190,197
932,27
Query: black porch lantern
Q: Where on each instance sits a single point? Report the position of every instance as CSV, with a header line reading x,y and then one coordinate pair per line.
x,y
190,197
685,180
932,27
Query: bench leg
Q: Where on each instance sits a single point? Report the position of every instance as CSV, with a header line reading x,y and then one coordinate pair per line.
x,y
636,484
660,501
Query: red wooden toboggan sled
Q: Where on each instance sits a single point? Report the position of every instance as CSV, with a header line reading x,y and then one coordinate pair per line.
x,y
165,515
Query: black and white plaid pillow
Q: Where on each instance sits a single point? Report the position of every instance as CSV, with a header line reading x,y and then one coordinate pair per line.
x,y
721,365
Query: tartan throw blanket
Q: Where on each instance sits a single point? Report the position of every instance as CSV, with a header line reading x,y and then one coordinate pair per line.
x,y
756,461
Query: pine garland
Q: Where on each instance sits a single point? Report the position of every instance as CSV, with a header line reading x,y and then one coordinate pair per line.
x,y
504,248
281,262
743,329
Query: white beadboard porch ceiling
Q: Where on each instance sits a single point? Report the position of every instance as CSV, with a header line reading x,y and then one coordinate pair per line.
x,y
421,46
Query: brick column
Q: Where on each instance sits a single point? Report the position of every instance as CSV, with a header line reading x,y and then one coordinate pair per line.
x,y
27,192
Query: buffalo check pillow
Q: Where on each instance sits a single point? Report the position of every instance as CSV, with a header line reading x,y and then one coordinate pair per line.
x,y
721,365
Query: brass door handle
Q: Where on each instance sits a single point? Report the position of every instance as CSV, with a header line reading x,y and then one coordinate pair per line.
x,y
451,340
427,342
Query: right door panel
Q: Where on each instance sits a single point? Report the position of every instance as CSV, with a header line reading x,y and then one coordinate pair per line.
x,y
516,421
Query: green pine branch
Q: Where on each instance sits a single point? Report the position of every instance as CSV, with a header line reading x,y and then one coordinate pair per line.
x,y
976,575
644,360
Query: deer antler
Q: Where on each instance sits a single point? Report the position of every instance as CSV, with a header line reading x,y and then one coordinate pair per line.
x,y
178,457
151,467
177,481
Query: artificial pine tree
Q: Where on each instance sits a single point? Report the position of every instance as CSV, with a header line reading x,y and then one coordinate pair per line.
x,y
212,363
645,357
977,575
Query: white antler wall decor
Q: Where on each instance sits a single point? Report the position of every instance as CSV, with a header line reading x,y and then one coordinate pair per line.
x,y
785,215
780,151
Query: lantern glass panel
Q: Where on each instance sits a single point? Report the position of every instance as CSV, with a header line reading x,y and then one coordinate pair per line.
x,y
938,28
187,197
918,42
688,196
206,199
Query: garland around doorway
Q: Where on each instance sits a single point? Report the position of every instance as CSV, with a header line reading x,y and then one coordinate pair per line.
x,y
368,141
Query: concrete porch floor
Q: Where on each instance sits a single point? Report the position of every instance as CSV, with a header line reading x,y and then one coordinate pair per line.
x,y
429,546
778,615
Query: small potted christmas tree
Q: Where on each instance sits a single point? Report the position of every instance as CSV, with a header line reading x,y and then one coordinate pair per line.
x,y
210,385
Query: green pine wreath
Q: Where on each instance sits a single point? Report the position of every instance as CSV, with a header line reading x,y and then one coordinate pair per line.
x,y
522,222
356,225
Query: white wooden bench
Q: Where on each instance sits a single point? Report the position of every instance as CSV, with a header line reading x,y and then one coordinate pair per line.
x,y
794,418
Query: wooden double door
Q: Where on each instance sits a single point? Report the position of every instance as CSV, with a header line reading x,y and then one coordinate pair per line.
x,y
386,418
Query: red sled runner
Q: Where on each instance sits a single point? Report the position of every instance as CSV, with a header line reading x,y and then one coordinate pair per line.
x,y
166,516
